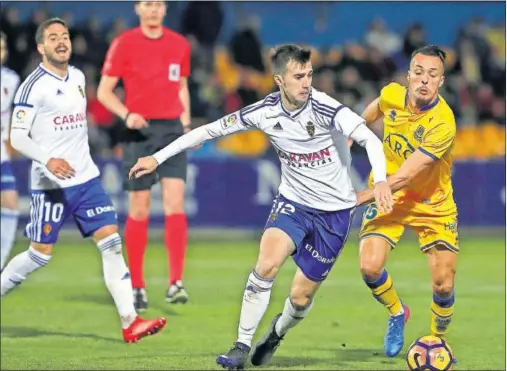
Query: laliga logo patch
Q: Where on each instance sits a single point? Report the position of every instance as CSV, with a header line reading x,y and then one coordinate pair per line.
x,y
229,121
20,115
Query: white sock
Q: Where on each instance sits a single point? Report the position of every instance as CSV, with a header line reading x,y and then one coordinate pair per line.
x,y
255,303
117,278
20,267
402,311
291,316
8,225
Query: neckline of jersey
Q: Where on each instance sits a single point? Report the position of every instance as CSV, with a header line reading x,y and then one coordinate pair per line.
x,y
424,108
151,38
66,78
295,113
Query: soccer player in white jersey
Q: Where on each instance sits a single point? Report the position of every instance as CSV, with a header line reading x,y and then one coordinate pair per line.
x,y
312,213
49,126
9,82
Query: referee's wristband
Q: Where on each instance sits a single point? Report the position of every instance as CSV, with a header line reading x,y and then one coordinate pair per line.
x,y
126,117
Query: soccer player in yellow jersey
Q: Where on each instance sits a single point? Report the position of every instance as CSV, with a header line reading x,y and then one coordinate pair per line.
x,y
419,132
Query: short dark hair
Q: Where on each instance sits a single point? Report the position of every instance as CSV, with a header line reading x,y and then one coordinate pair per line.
x,y
432,51
282,54
39,34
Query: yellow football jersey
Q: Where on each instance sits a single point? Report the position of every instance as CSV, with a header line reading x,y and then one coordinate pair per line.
x,y
431,130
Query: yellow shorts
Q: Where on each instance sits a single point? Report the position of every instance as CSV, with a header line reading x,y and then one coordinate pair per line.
x,y
432,230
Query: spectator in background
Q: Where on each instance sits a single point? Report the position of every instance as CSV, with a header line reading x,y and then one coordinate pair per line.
x,y
378,36
203,20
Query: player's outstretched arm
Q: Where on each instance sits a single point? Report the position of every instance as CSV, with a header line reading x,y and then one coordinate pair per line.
x,y
191,139
416,163
381,192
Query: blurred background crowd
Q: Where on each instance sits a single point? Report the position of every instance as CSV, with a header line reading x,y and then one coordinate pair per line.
x,y
352,61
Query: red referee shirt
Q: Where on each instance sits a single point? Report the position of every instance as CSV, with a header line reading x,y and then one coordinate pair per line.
x,y
151,70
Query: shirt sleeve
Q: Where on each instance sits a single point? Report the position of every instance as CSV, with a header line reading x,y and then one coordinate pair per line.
x,y
227,125
114,64
26,106
185,63
439,140
346,121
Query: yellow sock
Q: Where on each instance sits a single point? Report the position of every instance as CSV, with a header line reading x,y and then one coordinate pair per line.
x,y
441,314
383,290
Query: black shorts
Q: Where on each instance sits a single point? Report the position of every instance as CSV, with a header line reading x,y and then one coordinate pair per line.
x,y
147,141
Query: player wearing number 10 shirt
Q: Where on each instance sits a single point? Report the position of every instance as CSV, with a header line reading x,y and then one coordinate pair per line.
x,y
312,213
49,126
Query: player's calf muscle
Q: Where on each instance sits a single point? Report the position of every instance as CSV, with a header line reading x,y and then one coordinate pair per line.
x,y
139,204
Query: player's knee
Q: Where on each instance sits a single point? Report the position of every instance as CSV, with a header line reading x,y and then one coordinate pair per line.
x,y
139,205
443,286
42,248
174,202
300,298
139,209
267,268
371,269
372,256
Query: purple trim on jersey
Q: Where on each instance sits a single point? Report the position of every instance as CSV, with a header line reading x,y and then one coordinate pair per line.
x,y
302,108
253,107
322,112
298,112
27,88
336,112
323,106
427,153
269,104
23,105
424,108
54,75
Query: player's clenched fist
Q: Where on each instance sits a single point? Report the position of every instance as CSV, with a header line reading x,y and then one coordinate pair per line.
x,y
143,166
135,121
383,197
60,168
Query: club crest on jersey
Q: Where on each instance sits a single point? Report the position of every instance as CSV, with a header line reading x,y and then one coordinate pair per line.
x,y
310,128
392,115
47,229
81,91
418,133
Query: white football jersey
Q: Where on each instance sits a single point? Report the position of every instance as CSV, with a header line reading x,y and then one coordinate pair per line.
x,y
311,143
53,110
9,82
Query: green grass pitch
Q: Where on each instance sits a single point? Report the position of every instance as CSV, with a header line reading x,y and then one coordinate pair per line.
x,y
63,318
